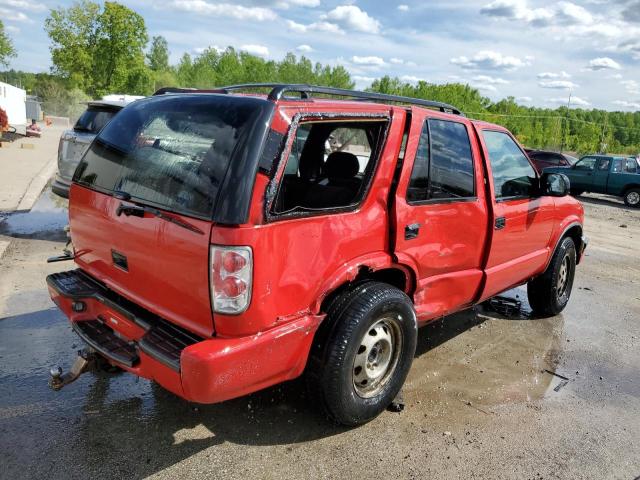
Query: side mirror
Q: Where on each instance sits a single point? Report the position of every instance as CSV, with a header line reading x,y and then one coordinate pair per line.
x,y
555,184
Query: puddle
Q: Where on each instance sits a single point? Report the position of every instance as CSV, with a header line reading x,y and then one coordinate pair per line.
x,y
482,360
46,219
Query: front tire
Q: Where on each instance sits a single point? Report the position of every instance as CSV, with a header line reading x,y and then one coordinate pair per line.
x,y
549,293
361,356
632,197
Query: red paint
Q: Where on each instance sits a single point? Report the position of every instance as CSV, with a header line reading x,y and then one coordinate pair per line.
x,y
457,260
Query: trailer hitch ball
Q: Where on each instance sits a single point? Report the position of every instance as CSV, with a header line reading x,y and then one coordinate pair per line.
x,y
85,361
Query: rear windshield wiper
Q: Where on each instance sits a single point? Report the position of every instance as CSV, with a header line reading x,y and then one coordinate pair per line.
x,y
140,210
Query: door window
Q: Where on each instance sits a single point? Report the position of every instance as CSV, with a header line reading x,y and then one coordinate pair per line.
x,y
513,175
617,165
443,166
631,165
603,164
586,163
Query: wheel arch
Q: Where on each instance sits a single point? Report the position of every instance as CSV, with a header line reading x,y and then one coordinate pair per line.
x,y
380,268
630,186
573,230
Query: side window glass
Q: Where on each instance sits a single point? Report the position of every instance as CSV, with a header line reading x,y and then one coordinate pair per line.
x,y
587,163
513,175
448,172
604,164
617,165
328,166
631,166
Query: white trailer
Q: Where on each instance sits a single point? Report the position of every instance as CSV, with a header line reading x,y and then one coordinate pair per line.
x,y
12,101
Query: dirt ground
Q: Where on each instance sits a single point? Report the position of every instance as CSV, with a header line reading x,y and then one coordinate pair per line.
x,y
485,397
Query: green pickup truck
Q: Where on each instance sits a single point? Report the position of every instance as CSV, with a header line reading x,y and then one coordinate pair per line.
x,y
613,175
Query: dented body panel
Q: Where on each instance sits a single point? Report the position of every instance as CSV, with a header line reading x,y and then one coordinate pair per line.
x,y
299,258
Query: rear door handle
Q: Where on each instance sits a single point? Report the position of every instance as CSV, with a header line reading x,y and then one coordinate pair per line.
x,y
501,222
411,231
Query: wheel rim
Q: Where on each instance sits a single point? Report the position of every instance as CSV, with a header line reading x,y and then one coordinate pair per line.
x,y
633,198
377,357
563,277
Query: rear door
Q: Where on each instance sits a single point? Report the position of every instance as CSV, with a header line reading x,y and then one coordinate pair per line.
x,y
522,222
159,157
440,213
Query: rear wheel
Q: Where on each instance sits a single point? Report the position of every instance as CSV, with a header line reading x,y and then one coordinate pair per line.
x,y
549,293
361,356
632,197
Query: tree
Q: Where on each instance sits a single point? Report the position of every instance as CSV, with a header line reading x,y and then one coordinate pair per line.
x,y
99,51
158,56
7,50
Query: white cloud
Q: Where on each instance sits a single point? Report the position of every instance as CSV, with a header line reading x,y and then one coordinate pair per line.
x,y
575,101
259,50
298,3
351,17
571,13
632,86
370,61
627,104
524,99
13,16
12,29
518,10
23,5
315,26
201,50
486,79
552,75
239,12
558,84
304,48
396,61
403,7
632,47
603,63
490,60
362,79
410,78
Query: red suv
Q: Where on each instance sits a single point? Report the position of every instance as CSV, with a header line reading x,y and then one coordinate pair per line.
x,y
226,242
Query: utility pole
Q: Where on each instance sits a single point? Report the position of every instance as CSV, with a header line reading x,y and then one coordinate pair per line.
x,y
566,117
603,146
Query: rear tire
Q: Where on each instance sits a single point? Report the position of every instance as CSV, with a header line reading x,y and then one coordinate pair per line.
x,y
549,293
632,197
361,356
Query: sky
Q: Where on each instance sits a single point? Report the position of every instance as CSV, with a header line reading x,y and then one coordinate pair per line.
x,y
536,51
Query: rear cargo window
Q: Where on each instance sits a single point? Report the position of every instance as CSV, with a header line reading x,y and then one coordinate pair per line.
x,y
94,119
172,151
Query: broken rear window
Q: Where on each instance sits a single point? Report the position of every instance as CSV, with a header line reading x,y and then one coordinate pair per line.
x,y
171,151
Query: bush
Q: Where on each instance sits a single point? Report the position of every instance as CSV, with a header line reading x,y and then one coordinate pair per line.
x,y
4,121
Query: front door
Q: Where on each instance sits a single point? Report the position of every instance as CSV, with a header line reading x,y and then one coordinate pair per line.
x,y
581,174
522,220
600,175
440,213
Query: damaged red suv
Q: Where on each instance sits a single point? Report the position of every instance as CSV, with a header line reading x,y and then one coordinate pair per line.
x,y
229,241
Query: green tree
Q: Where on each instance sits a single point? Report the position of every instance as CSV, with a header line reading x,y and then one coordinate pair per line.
x,y
7,50
158,56
99,50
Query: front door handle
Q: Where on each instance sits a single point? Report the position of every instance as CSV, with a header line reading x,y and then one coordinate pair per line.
x,y
500,223
411,231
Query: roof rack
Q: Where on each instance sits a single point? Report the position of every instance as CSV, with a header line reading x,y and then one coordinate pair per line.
x,y
278,91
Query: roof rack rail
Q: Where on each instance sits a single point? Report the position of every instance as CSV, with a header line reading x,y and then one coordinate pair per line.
x,y
278,91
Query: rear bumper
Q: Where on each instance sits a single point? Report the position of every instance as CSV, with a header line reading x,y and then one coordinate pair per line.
x,y
200,370
61,186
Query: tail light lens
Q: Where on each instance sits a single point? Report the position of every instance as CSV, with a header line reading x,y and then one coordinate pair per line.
x,y
231,277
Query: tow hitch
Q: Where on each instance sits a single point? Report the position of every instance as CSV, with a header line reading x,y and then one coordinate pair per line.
x,y
87,360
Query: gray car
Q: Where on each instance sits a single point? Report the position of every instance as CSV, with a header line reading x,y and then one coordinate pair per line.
x,y
74,142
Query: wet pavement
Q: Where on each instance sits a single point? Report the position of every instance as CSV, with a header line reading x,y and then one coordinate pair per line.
x,y
488,396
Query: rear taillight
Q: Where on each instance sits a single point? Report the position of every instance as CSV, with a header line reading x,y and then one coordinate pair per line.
x,y
231,276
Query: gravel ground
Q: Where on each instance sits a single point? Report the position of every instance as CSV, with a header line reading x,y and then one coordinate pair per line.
x,y
480,401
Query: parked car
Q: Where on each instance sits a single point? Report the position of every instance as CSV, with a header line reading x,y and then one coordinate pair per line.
x,y
613,175
542,159
214,262
74,142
